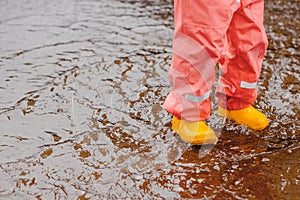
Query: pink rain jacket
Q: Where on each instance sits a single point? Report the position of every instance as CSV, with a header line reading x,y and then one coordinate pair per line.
x,y
207,32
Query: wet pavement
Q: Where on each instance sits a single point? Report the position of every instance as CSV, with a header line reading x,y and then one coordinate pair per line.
x,y
82,84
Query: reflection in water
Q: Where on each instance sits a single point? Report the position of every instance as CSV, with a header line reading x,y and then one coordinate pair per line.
x,y
80,115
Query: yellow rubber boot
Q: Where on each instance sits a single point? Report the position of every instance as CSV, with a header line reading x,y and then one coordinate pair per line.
x,y
249,116
196,133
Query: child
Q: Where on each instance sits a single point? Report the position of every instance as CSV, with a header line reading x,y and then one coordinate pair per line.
x,y
207,32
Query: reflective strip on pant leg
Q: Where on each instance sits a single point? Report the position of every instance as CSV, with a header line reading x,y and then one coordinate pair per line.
x,y
248,85
197,99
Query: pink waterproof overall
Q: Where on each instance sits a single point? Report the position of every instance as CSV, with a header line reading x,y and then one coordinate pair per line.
x,y
228,32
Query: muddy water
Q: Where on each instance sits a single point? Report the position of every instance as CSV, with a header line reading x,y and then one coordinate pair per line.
x,y
82,83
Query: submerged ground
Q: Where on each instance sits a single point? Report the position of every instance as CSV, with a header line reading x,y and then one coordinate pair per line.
x,y
81,88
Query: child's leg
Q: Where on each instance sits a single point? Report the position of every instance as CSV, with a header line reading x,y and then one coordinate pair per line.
x,y
241,66
200,29
242,58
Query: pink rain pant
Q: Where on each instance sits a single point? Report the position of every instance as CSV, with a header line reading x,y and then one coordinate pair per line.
x,y
207,32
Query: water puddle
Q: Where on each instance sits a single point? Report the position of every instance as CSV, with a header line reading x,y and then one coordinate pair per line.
x,y
82,84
